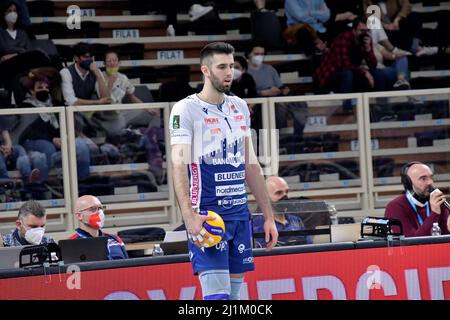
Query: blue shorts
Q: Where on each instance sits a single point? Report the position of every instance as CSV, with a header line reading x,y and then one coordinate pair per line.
x,y
233,253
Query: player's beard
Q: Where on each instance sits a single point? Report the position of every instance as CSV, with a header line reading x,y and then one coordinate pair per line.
x,y
218,85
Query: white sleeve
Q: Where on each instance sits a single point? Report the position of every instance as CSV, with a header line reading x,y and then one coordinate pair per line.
x,y
180,124
67,87
247,115
129,87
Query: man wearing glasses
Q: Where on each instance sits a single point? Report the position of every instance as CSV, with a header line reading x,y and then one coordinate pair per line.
x,y
89,213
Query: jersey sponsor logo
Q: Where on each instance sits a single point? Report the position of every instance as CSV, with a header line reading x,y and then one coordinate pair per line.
x,y
211,120
229,176
233,107
215,131
239,118
247,260
195,184
230,190
232,159
205,110
222,245
179,134
229,202
244,128
176,122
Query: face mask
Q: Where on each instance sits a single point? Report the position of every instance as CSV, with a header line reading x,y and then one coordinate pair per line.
x,y
34,235
112,70
237,74
257,60
11,17
85,64
96,220
42,95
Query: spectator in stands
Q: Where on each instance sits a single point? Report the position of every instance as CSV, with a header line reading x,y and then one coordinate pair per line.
x,y
117,83
342,13
419,207
267,79
89,212
350,64
30,227
402,25
79,80
18,156
306,24
114,122
392,61
278,190
243,85
43,135
197,9
16,50
268,84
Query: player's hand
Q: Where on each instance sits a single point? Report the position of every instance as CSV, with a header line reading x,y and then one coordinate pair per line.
x,y
194,227
437,198
271,234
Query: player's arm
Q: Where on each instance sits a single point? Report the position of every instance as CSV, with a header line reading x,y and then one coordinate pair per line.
x,y
180,160
255,180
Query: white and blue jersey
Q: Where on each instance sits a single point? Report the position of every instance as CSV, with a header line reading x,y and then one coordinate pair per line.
x,y
216,167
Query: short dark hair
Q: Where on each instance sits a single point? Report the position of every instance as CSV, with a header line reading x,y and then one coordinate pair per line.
x,y
358,20
242,61
80,49
31,207
215,48
253,45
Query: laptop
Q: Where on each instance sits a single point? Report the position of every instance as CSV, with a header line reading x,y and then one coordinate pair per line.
x,y
177,247
345,232
9,257
175,242
84,249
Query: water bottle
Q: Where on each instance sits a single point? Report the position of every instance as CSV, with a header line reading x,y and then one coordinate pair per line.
x,y
157,250
333,214
435,230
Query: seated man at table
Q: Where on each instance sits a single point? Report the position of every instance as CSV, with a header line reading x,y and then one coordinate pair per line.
x,y
89,213
278,190
419,207
30,227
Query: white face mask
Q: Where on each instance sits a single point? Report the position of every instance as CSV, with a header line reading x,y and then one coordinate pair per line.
x,y
35,235
237,74
257,60
11,17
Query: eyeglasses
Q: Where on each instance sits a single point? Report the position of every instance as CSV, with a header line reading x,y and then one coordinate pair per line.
x,y
94,209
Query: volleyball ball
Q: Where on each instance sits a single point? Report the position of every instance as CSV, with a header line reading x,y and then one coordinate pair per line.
x,y
212,231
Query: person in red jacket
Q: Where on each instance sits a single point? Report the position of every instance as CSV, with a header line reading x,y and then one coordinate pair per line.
x,y
419,207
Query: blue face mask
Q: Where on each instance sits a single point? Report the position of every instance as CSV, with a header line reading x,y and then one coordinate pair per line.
x,y
85,64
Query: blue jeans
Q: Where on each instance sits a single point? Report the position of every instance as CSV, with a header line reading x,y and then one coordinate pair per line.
x,y
398,68
345,81
53,157
22,161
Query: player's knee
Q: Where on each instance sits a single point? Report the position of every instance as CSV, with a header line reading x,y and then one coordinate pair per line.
x,y
215,284
235,289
